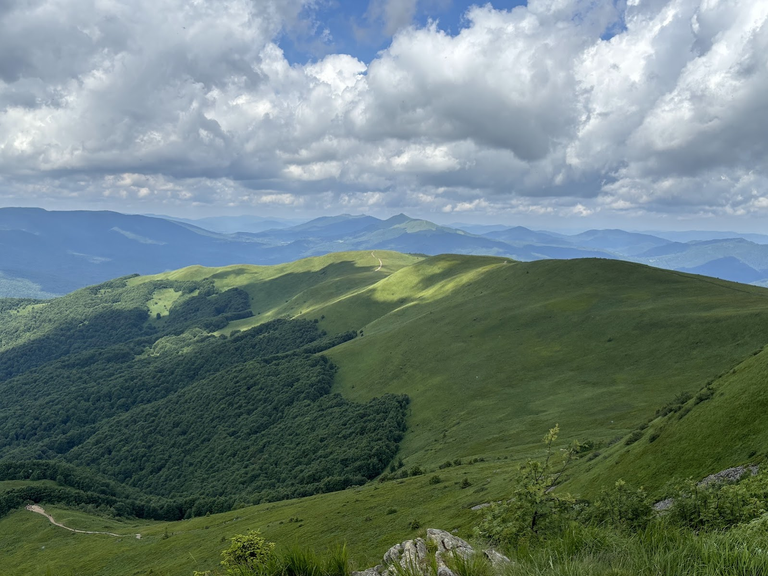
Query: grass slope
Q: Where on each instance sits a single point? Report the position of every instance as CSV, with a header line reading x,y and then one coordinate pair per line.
x,y
705,435
492,353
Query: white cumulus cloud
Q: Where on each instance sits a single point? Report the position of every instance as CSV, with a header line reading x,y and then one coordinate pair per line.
x,y
574,107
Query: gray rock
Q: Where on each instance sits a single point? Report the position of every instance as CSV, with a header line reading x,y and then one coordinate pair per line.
x,y
375,571
730,475
392,556
412,555
445,541
496,559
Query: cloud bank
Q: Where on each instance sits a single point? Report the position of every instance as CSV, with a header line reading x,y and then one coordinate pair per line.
x,y
558,107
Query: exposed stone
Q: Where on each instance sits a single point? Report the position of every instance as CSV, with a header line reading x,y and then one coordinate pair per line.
x,y
730,475
375,571
412,555
665,504
392,556
445,541
496,559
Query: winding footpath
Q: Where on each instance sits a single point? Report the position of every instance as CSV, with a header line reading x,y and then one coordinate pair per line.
x,y
39,510
380,262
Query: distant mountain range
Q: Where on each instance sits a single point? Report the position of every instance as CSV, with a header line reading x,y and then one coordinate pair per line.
x,y
45,254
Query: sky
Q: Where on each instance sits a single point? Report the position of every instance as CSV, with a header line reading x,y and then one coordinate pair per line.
x,y
645,114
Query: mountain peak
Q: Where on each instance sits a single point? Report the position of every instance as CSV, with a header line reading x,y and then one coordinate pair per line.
x,y
398,219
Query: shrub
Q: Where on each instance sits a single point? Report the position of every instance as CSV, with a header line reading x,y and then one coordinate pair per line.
x,y
435,479
703,395
247,551
622,507
633,437
717,506
535,508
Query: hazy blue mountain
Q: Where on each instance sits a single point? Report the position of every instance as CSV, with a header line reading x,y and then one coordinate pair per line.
x,y
693,254
345,232
617,241
234,224
534,252
479,229
522,235
698,235
43,253
730,268
61,251
733,259
334,226
46,253
399,233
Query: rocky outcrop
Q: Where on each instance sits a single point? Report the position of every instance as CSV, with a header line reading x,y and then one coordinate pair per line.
x,y
448,546
730,475
414,557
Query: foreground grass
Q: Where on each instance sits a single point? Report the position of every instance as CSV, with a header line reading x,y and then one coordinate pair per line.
x,y
581,551
368,519
656,551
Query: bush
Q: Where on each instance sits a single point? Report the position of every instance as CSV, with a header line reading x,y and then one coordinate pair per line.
x,y
718,506
247,551
435,479
622,507
415,471
535,508
634,436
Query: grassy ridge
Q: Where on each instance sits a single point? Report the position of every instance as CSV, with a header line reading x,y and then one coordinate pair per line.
x,y
494,354
298,289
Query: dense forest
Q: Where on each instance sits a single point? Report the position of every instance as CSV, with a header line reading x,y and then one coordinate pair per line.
x,y
153,415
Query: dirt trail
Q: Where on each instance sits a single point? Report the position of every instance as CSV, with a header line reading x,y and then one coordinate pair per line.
x,y
39,510
380,262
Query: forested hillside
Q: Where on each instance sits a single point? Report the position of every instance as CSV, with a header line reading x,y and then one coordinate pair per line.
x,y
191,422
